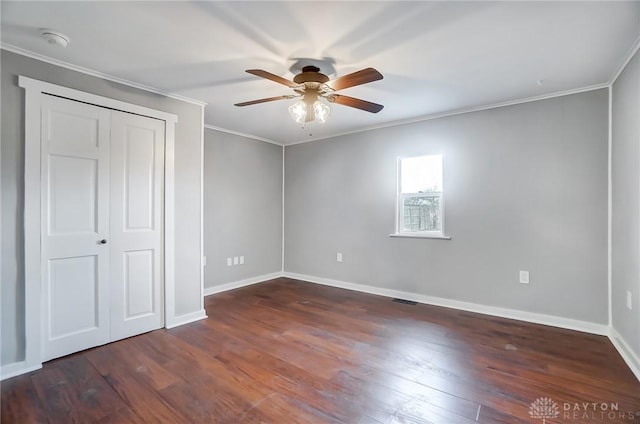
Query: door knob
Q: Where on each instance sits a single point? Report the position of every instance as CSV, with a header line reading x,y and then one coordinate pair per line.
x,y
103,241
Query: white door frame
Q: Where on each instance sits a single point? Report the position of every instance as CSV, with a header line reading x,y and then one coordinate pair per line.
x,y
34,90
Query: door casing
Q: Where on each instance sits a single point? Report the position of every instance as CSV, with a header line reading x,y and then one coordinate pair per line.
x,y
34,90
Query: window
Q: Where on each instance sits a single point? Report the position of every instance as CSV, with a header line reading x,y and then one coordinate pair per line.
x,y
420,201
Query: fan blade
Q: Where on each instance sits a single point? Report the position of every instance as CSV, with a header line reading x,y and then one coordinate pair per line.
x,y
353,102
272,77
357,78
268,99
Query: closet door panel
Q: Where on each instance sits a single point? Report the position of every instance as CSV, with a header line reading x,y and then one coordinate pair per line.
x,y
75,218
137,152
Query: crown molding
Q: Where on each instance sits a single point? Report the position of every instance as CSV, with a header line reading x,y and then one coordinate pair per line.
x,y
463,111
455,112
632,51
431,116
240,134
93,73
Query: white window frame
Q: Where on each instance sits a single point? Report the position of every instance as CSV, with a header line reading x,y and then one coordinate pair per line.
x,y
400,197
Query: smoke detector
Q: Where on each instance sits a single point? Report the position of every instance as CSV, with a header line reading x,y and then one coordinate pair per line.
x,y
55,37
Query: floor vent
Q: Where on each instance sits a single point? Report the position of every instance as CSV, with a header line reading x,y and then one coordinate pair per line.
x,y
405,301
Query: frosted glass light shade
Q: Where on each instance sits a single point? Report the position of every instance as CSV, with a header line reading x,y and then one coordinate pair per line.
x,y
321,110
298,111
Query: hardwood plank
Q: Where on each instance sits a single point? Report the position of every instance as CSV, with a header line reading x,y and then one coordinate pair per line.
x,y
20,402
204,400
296,383
286,351
137,379
487,415
409,398
71,390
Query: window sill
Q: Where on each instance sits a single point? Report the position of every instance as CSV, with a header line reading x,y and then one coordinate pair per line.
x,y
423,236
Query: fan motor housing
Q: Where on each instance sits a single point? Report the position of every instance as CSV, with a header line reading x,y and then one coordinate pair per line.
x,y
310,74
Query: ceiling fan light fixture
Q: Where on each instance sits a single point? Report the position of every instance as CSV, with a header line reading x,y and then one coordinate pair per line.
x,y
302,112
322,111
310,86
298,111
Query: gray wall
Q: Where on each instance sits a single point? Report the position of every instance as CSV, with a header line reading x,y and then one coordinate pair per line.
x,y
626,203
243,207
525,189
187,180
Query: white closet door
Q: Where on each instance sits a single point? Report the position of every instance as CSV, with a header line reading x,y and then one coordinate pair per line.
x,y
75,218
137,165
102,225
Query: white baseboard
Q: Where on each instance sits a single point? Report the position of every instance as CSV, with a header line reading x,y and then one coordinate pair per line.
x,y
208,291
186,319
554,321
629,356
17,368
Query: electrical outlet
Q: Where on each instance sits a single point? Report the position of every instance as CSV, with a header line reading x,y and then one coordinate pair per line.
x,y
235,260
229,261
524,277
629,301
241,260
339,257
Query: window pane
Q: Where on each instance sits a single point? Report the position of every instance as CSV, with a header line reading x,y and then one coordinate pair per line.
x,y
421,214
421,174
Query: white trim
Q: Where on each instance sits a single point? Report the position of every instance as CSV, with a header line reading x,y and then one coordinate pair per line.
x,y
169,226
401,197
241,283
632,51
610,209
122,81
32,228
422,235
554,321
34,90
283,188
16,368
202,256
1,256
93,73
629,356
187,319
460,112
241,134
82,96
631,359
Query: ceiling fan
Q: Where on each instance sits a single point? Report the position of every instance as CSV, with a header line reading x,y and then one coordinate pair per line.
x,y
310,85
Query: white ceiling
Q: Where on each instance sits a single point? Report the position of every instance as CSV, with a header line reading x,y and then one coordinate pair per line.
x,y
436,57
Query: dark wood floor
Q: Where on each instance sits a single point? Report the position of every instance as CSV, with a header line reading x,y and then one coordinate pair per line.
x,y
291,352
